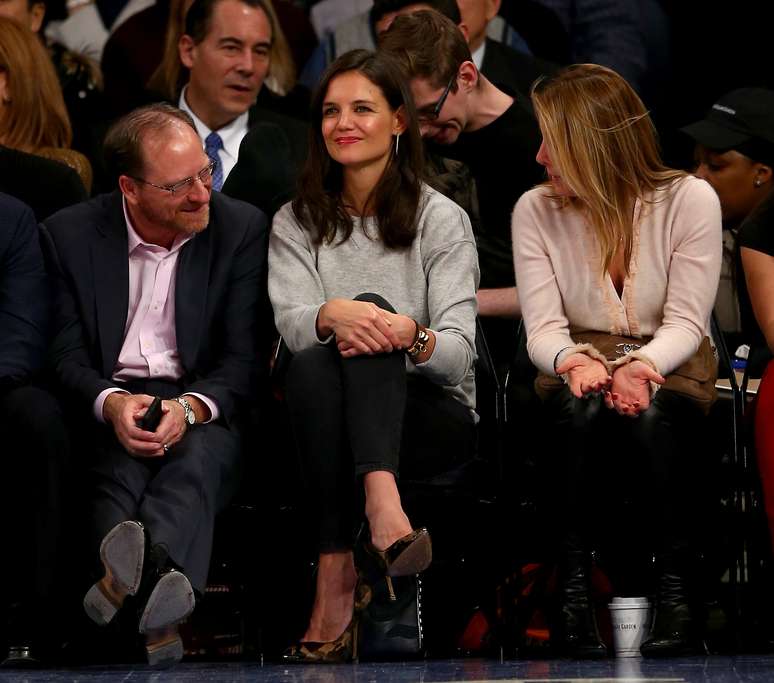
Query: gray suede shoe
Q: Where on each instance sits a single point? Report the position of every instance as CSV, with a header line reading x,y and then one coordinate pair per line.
x,y
171,601
122,552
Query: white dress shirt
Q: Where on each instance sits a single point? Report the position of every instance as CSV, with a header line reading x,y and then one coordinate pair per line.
x,y
231,134
149,349
478,55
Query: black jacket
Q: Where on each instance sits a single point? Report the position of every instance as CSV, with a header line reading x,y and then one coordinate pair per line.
x,y
267,170
507,67
46,186
219,286
24,296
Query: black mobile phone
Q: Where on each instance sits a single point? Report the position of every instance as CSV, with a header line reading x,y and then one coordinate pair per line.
x,y
150,420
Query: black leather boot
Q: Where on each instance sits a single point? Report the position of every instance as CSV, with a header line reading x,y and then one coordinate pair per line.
x,y
577,632
673,633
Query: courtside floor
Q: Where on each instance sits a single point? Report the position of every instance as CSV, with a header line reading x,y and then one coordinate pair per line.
x,y
739,669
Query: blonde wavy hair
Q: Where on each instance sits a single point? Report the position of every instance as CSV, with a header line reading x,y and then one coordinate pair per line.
x,y
35,115
603,143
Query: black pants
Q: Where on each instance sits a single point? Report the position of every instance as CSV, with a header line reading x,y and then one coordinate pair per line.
x,y
363,414
36,467
176,496
602,457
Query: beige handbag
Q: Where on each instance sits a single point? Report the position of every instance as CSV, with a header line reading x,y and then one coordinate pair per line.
x,y
694,379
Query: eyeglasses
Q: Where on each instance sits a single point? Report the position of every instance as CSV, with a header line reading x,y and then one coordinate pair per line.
x,y
435,112
205,175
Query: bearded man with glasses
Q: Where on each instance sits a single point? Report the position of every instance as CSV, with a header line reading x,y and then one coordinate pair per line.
x,y
158,287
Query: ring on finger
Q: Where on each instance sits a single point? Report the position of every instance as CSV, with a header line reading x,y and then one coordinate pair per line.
x,y
165,447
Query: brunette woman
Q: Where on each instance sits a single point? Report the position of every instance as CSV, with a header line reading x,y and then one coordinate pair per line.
x,y
372,275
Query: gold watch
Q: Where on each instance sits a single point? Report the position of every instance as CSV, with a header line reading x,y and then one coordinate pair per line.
x,y
420,343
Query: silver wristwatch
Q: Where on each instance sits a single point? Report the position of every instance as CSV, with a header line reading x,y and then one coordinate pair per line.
x,y
190,415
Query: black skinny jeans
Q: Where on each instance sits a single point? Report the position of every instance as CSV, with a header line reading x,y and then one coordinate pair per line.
x,y
351,416
602,456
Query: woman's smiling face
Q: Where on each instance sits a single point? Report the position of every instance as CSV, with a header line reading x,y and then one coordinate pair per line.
x,y
357,122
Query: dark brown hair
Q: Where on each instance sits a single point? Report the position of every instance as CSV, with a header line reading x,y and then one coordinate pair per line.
x,y
395,198
198,19
123,143
449,8
427,45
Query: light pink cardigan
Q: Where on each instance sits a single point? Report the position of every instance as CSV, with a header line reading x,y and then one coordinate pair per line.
x,y
669,292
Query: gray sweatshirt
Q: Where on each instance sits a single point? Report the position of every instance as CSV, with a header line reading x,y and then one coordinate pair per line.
x,y
433,281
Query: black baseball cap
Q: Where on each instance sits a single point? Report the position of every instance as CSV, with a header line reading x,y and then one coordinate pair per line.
x,y
742,118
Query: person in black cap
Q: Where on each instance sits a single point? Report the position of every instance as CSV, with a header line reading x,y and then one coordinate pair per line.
x,y
735,154
735,150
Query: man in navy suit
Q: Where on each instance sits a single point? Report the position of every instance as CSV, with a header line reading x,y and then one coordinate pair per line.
x,y
34,443
226,51
24,305
159,290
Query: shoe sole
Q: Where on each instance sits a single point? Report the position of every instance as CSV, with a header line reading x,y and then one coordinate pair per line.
x,y
122,552
415,558
171,601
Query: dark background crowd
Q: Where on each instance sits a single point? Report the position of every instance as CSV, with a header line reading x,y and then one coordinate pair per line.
x,y
245,71
680,57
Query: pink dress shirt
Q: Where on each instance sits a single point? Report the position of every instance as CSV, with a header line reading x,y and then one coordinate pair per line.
x,y
150,339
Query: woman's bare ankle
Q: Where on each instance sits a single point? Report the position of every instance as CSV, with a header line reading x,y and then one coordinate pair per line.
x,y
334,597
387,522
386,518
387,526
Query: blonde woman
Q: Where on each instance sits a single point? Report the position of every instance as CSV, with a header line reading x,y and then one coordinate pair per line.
x,y
33,117
615,243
